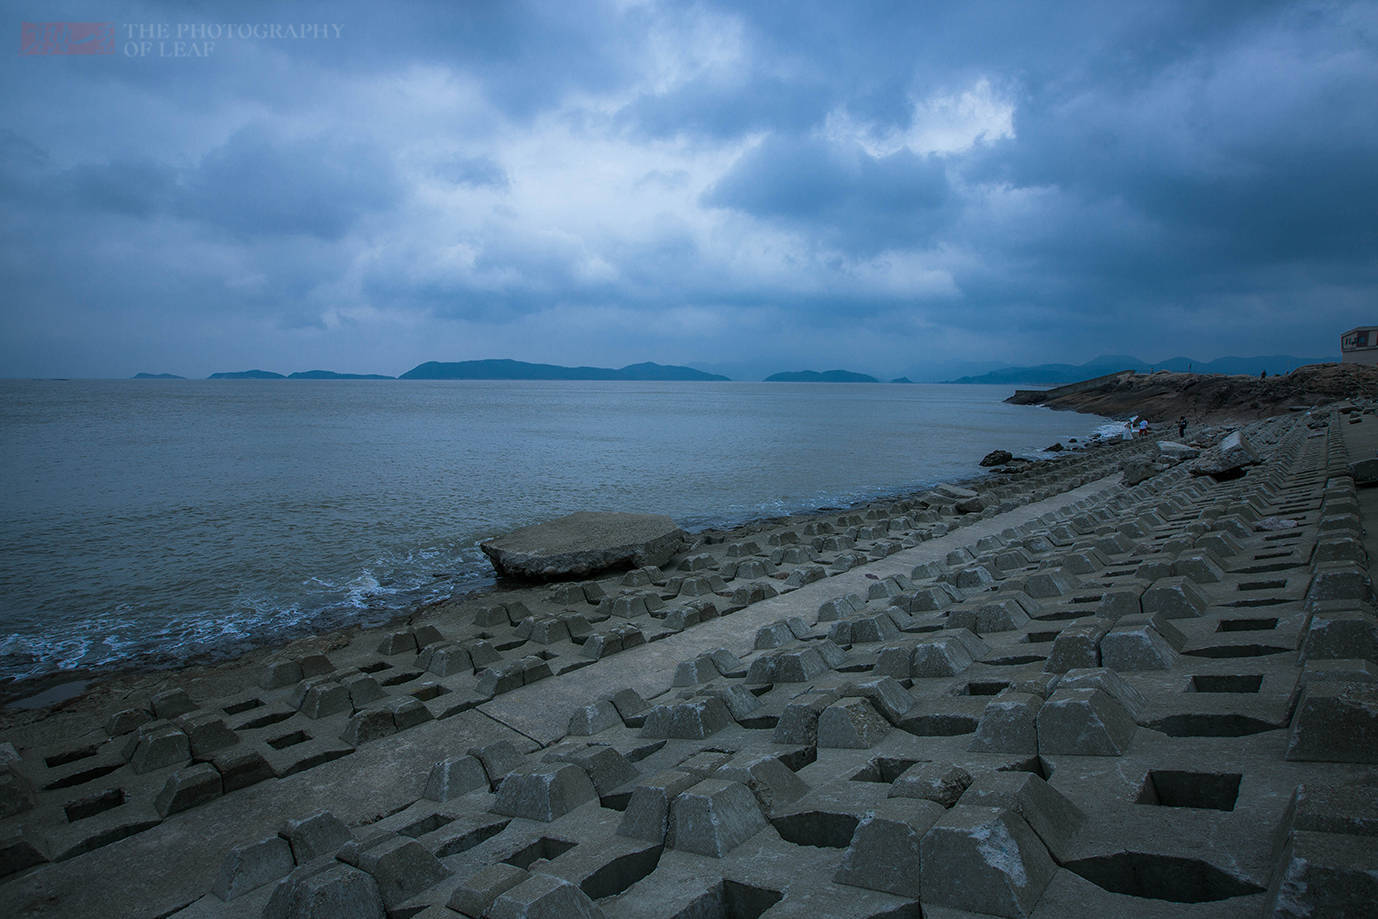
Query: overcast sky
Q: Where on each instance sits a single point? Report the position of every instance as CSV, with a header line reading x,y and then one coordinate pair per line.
x,y
891,188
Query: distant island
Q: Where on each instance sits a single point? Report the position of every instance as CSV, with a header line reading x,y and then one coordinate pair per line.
x,y
156,376
827,376
332,375
1112,363
247,375
521,370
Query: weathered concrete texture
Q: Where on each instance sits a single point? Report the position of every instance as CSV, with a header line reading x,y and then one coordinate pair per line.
x,y
983,860
884,850
584,543
543,791
713,818
1336,722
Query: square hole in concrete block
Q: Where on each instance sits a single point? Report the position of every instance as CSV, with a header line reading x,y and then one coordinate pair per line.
x,y
731,900
547,847
398,679
884,769
1242,682
427,693
1246,625
1060,616
375,667
426,825
238,708
81,778
263,721
1263,585
91,805
289,740
1208,790
1267,555
984,687
1038,638
70,756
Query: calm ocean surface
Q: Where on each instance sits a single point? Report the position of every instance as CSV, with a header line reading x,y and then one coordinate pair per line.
x,y
144,522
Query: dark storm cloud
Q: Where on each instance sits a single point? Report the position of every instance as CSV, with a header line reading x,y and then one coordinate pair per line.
x,y
846,197
1070,173
258,183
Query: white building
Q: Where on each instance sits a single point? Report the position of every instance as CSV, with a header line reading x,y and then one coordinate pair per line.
x,y
1360,345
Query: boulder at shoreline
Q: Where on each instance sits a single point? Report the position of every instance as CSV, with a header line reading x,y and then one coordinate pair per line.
x,y
584,543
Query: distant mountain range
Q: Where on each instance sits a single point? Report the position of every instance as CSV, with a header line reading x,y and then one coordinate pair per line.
x,y
827,376
521,370
156,376
332,375
1110,363
247,375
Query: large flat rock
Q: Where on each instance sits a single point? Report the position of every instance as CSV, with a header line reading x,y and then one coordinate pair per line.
x,y
584,543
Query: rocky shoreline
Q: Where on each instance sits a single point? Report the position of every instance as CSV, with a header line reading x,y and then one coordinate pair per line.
x,y
1163,397
1143,667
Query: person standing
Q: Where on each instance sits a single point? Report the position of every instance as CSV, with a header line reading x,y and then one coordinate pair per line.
x,y
1182,426
1143,427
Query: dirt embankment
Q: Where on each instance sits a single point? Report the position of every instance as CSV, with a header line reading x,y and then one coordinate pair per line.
x,y
1163,396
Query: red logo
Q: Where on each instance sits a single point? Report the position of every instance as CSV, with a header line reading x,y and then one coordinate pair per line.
x,y
67,38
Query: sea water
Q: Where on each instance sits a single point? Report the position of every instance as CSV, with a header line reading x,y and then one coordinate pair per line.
x,y
143,523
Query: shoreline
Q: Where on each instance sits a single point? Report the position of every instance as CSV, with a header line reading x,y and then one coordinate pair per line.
x,y
123,679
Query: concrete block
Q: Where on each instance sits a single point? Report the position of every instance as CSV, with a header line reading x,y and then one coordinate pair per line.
x,y
1077,646
1338,634
941,783
187,788
770,780
594,718
798,723
171,703
251,865
206,732
156,746
402,868
321,833
693,719
885,847
605,766
542,896
851,724
1084,722
983,860
1134,644
455,776
1048,812
337,890
944,656
543,791
1324,874
368,724
498,759
648,809
1336,722
1174,598
1339,581
1008,725
713,818
475,894
1198,567
1110,683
